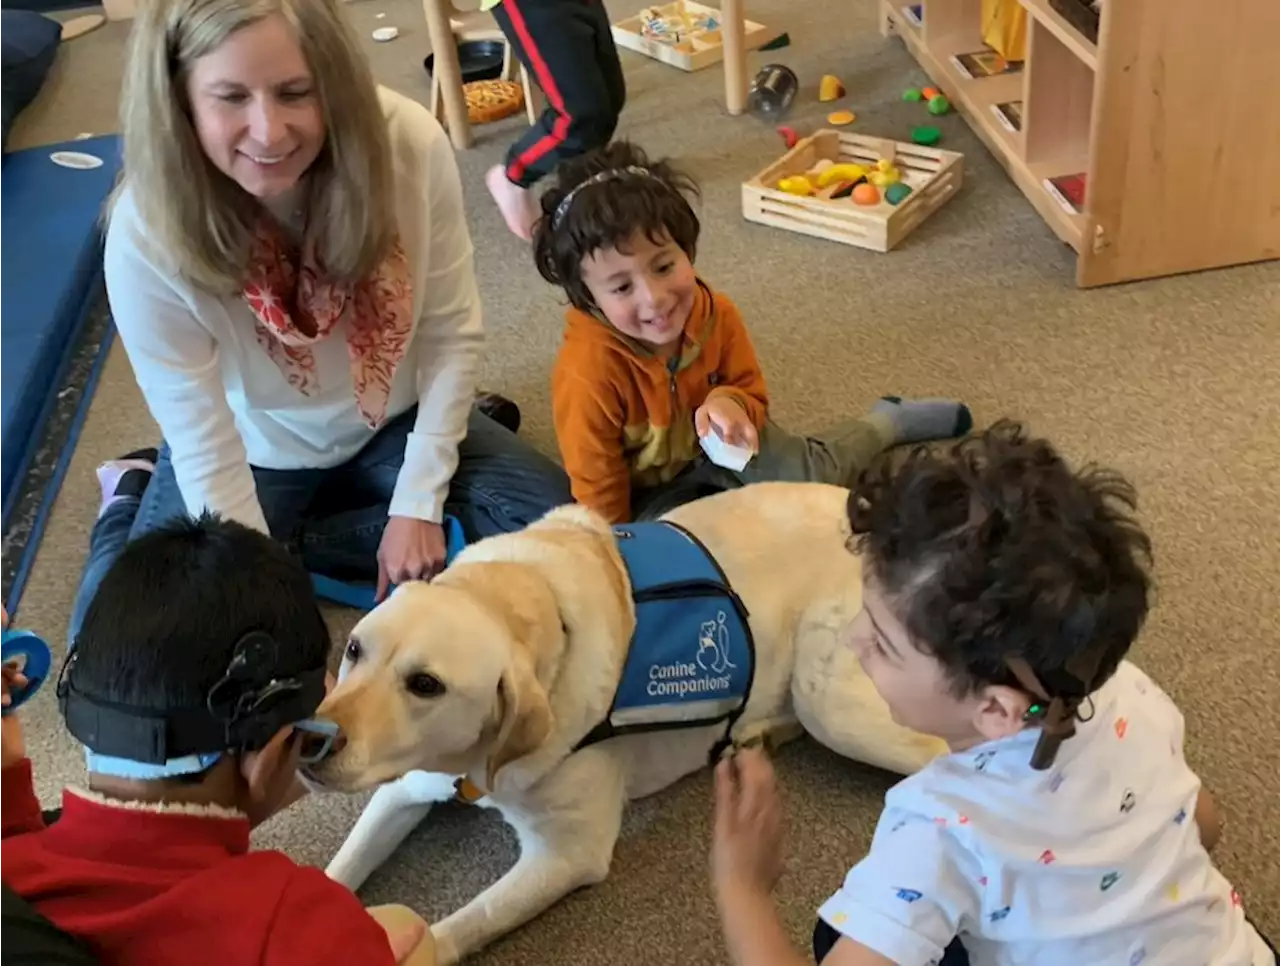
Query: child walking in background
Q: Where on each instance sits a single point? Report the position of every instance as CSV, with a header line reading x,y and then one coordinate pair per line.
x,y
654,359
1001,593
567,47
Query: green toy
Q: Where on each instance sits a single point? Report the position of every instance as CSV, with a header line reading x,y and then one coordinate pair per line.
x,y
897,193
912,94
938,104
928,136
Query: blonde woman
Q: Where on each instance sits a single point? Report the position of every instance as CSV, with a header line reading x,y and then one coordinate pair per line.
x,y
290,271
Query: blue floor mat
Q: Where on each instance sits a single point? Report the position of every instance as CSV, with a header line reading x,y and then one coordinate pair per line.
x,y
51,286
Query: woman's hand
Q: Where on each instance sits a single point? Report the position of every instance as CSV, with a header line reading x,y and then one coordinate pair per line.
x,y
746,855
729,421
410,550
12,747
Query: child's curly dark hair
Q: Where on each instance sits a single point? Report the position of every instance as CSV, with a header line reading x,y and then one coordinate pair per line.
x,y
994,548
629,193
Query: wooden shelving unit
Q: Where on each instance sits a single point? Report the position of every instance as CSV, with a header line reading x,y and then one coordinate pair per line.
x,y
1172,116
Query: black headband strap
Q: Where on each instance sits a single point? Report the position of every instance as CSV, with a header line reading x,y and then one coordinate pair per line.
x,y
242,711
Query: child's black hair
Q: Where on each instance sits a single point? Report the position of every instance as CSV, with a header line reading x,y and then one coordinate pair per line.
x,y
165,621
607,213
994,548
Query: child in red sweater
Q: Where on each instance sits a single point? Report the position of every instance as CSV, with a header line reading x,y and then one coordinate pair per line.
x,y
192,685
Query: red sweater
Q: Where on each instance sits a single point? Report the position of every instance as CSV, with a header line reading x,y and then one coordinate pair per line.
x,y
149,888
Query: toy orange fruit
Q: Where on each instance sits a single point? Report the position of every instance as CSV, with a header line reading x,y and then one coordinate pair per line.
x,y
841,118
866,194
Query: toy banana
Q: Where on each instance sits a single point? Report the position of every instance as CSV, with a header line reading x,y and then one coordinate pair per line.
x,y
796,185
841,172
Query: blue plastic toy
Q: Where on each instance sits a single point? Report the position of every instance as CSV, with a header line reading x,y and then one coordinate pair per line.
x,y
27,653
360,596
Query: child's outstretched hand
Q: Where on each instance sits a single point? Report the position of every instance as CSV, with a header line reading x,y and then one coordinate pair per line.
x,y
728,420
747,849
12,747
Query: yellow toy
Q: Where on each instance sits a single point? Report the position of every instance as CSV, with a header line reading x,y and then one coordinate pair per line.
x,y
796,185
830,89
841,118
885,174
841,172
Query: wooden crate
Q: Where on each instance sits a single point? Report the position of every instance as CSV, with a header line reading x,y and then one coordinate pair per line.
x,y
934,176
695,51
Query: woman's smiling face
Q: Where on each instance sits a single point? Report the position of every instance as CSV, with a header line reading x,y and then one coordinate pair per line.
x,y
255,107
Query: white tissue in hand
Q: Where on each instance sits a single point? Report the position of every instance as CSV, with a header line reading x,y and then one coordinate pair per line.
x,y
725,454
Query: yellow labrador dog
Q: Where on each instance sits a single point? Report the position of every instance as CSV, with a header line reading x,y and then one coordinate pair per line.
x,y
500,667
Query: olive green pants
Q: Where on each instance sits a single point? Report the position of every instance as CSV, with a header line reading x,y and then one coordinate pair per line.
x,y
836,456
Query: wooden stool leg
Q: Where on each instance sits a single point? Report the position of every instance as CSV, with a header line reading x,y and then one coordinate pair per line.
x,y
532,96
435,104
508,62
448,71
733,31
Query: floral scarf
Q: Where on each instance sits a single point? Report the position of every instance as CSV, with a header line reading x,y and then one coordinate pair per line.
x,y
283,289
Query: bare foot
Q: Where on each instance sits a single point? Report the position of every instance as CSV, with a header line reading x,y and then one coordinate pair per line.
x,y
517,204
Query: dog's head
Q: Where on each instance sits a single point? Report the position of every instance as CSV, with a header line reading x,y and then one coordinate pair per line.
x,y
440,678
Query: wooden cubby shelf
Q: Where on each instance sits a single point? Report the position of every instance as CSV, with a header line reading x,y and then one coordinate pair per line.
x,y
1168,117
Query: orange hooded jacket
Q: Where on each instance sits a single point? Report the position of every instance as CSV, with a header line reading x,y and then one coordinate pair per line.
x,y
624,416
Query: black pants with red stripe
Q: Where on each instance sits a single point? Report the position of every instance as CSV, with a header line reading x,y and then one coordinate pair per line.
x,y
568,49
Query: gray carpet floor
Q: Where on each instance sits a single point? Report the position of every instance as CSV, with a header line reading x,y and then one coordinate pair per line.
x,y
1176,382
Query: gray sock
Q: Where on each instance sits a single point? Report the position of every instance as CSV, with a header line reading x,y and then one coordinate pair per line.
x,y
920,420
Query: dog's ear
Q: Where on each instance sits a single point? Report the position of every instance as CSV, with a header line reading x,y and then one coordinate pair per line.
x,y
525,712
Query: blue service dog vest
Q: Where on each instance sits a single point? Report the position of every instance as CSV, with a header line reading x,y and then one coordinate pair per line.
x,y
692,658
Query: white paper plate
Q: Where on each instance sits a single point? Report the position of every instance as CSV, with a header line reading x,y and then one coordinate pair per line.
x,y
76,159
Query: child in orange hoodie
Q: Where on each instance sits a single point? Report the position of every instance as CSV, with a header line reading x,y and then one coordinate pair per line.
x,y
653,359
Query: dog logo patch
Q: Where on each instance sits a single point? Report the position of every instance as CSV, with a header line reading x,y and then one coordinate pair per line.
x,y
1047,857
1128,801
713,645
1108,880
691,653
982,759
908,895
1000,914
1180,817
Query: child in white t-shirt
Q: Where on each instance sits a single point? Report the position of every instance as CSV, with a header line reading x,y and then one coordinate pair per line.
x,y
1002,591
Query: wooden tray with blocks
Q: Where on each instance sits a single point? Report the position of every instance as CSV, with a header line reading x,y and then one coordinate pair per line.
x,y
932,175
683,34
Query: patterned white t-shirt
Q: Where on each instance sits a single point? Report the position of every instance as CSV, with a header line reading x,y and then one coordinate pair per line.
x,y
1096,860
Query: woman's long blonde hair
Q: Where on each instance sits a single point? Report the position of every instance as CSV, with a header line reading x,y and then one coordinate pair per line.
x,y
196,215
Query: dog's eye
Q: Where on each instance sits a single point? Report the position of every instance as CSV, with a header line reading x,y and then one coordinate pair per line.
x,y
353,651
425,685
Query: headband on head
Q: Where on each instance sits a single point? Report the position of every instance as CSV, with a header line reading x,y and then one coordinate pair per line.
x,y
241,712
611,174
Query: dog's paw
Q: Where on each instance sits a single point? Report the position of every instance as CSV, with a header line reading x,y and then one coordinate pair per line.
x,y
446,949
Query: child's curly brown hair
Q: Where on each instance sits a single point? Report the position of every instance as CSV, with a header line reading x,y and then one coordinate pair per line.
x,y
600,200
993,549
